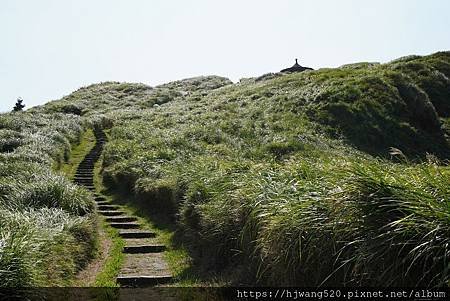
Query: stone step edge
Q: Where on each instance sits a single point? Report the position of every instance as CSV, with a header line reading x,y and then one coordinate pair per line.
x,y
143,280
137,234
143,249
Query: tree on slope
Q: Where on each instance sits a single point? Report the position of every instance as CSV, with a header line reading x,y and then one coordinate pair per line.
x,y
18,106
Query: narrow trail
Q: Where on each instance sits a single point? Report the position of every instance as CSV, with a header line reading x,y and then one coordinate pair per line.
x,y
144,264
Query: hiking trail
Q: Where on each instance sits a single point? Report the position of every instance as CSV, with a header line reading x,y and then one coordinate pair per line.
x,y
144,264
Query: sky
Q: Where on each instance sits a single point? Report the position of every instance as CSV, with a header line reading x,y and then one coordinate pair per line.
x,y
49,48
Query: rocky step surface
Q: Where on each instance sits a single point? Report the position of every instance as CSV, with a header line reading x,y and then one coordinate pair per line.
x,y
144,248
129,225
103,203
110,212
121,219
108,207
130,234
85,182
144,269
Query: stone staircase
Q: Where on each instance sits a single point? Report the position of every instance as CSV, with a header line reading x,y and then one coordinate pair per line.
x,y
144,264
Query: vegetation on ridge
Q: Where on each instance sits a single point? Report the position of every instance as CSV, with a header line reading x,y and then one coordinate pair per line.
x,y
333,177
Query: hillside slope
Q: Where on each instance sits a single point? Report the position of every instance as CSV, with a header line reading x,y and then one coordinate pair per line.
x,y
264,175
322,177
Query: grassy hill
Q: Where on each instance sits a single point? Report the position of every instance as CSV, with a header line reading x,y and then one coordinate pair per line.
x,y
47,224
335,176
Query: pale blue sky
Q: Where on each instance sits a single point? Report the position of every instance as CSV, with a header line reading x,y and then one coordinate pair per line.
x,y
48,48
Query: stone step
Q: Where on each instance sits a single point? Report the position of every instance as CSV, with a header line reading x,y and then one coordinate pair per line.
x,y
86,168
145,248
121,219
86,165
86,185
99,198
129,225
142,281
90,187
100,203
82,178
110,212
84,181
136,234
108,207
85,173
144,270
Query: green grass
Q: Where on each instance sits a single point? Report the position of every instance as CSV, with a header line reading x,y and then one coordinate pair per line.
x,y
79,151
110,270
334,177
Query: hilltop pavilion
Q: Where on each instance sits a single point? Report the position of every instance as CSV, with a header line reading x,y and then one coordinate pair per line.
x,y
296,68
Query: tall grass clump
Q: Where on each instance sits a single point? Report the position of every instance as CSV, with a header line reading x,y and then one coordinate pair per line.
x,y
405,218
52,192
43,247
47,224
379,226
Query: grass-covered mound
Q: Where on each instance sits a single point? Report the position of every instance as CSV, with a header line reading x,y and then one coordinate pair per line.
x,y
94,100
47,225
289,177
335,176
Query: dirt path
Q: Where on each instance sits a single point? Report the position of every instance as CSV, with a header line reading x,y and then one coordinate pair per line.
x,y
88,275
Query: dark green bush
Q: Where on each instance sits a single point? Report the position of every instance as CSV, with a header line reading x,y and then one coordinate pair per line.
x,y
10,140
